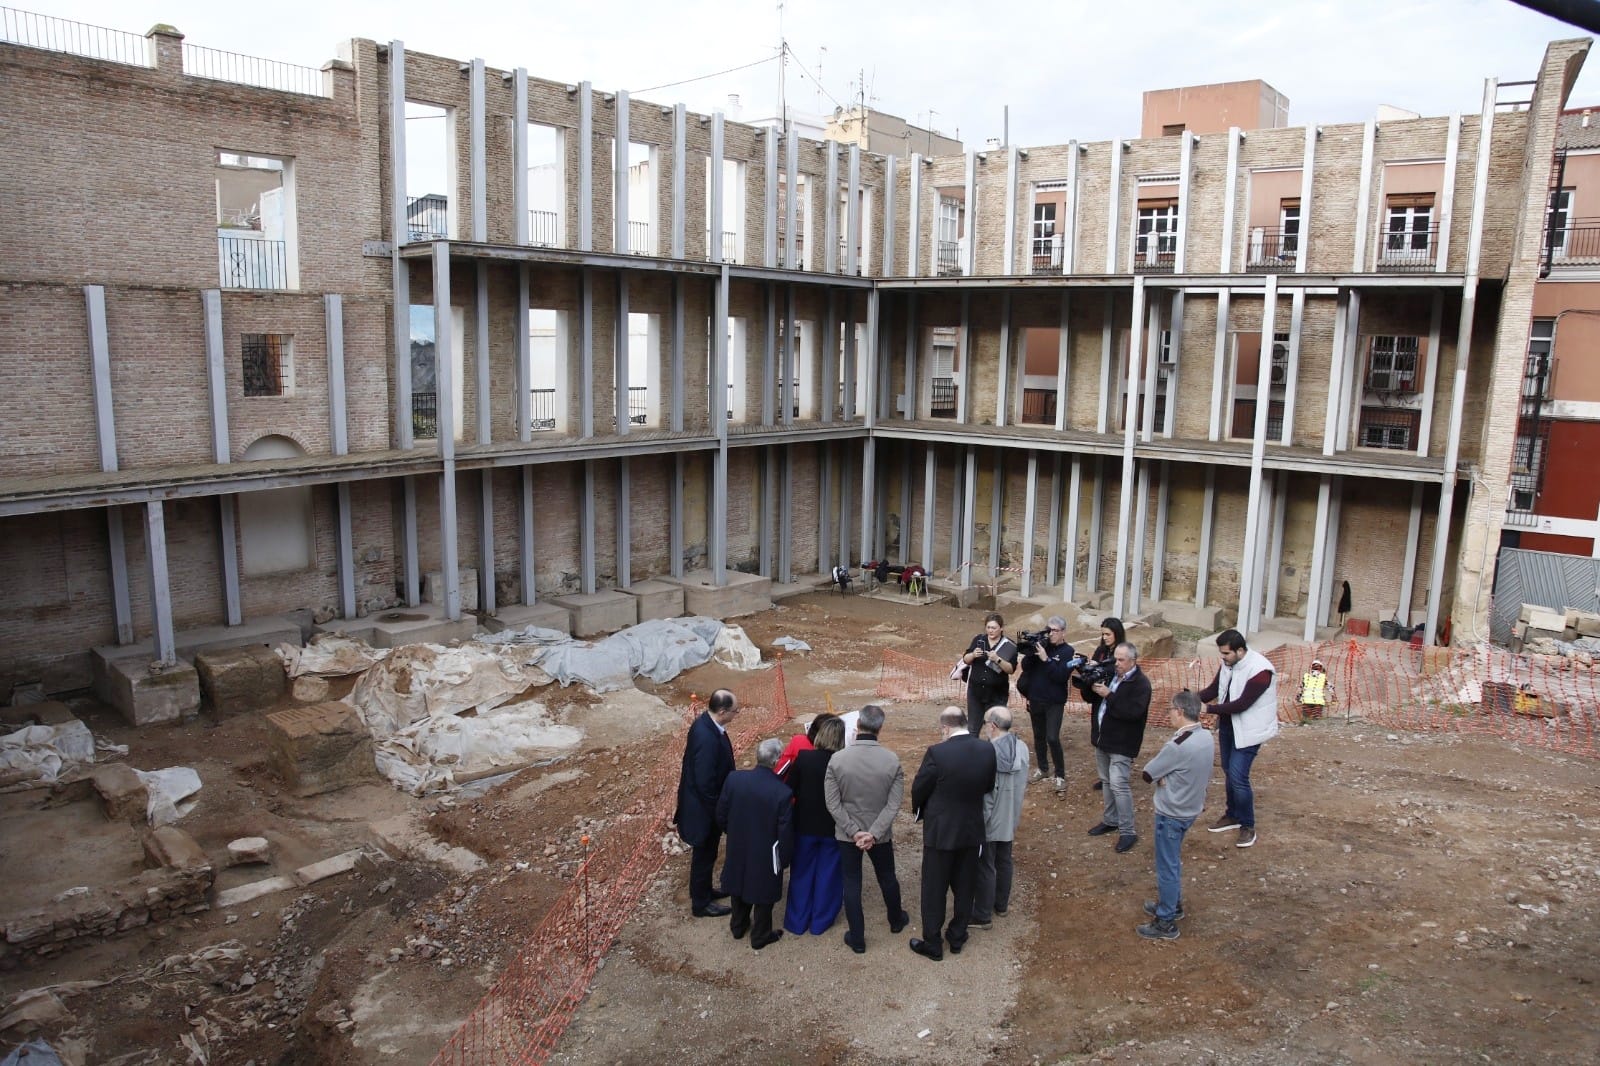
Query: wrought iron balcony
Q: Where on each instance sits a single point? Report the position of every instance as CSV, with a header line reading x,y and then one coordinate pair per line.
x,y
942,403
1154,253
639,242
949,259
544,229
1408,251
543,411
424,415
428,218
1039,407
1575,245
1273,251
638,412
249,263
1047,255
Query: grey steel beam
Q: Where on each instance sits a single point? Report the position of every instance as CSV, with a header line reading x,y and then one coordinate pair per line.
x,y
1250,567
969,266
1208,514
1029,516
714,192
852,214
1230,185
1069,236
1185,186
338,405
1369,133
519,154
830,211
105,426
930,485
786,354
1114,211
216,373
444,371
524,357
890,176
1069,562
477,169
155,544
1141,523
624,524
680,167
785,514
1129,431
399,233
1297,311
1430,375
621,239
913,220
769,220
228,529
408,537
117,554
767,515
1408,569
675,516
585,148
870,403
1307,171
913,386
1274,565
404,434
997,495
486,561
869,498
525,536
449,555
485,388
1317,590
1009,252
719,475
586,519
968,517
792,205
1158,561
675,357
621,345
585,353
1447,192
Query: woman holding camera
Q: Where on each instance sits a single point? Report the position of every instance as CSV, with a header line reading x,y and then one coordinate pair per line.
x,y
1047,667
990,660
1111,634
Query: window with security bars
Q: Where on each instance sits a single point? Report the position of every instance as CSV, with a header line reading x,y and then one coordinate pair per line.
x,y
1157,234
1385,427
267,364
1392,364
1538,369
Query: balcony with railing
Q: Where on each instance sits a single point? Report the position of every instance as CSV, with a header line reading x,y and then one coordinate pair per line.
x,y
1038,407
424,415
1408,251
1047,255
1154,253
730,247
542,411
428,218
247,261
544,229
75,38
948,259
1272,251
638,409
1575,245
639,242
943,399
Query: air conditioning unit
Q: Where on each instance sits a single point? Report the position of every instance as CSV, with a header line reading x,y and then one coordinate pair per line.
x,y
1280,373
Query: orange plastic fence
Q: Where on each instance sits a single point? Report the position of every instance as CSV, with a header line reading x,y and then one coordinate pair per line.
x,y
530,1005
1538,701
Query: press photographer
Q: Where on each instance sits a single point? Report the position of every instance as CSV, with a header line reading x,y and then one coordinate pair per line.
x,y
1048,662
989,662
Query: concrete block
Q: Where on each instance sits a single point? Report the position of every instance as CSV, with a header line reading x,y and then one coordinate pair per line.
x,y
599,612
1153,642
123,797
247,851
310,689
1541,618
1587,625
254,890
145,697
424,624
657,599
329,867
1210,619
433,588
267,632
520,616
171,847
240,680
321,748
741,593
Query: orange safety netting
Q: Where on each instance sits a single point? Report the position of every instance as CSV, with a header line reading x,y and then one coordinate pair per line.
x,y
1541,701
530,1005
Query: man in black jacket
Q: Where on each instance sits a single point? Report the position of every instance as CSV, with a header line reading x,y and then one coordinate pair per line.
x,y
1116,729
1045,674
947,796
707,762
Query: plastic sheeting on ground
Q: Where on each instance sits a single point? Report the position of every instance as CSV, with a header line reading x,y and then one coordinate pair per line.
x,y
329,655
171,793
791,644
39,754
659,649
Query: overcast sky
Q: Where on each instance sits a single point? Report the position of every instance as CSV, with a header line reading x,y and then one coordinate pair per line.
x,y
1067,68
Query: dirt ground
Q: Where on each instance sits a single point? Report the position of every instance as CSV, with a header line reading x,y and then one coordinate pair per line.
x,y
1413,898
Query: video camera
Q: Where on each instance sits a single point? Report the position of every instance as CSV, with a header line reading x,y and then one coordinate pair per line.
x,y
1093,673
1028,643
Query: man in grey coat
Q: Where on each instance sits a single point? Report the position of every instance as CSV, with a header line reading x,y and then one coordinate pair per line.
x,y
863,789
1002,810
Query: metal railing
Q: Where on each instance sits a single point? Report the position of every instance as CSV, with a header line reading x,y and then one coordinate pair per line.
x,y
74,38
639,238
949,259
942,401
424,415
249,263
543,411
1272,250
730,247
1577,244
1408,251
217,65
428,217
1039,407
544,229
638,404
1154,254
1047,257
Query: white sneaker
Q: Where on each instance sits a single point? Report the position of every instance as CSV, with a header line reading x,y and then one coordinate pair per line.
x,y
1037,775
1061,784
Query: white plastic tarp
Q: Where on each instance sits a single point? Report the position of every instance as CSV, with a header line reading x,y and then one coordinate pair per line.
x,y
171,793
39,754
659,649
329,655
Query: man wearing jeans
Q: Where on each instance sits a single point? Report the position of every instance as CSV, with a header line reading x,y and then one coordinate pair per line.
x,y
1181,772
1244,697
1116,730
863,788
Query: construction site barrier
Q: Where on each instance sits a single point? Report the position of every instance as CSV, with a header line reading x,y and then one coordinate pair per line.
x,y
1538,701
524,1014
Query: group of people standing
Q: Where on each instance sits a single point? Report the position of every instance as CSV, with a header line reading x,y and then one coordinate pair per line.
x,y
827,801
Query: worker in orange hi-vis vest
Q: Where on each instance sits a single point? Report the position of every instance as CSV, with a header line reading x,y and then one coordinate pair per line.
x,y
1316,691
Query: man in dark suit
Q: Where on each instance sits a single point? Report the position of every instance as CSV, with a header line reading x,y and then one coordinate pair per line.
x,y
947,796
756,810
707,762
1116,730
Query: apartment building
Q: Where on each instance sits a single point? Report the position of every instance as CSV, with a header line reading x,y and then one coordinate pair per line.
x,y
265,370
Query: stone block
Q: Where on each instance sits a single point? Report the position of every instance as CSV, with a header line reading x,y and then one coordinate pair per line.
x,y
433,588
657,599
598,612
240,680
310,689
320,748
1587,625
1153,642
232,897
123,797
148,695
48,712
425,624
521,616
343,862
741,593
247,851
1541,618
171,847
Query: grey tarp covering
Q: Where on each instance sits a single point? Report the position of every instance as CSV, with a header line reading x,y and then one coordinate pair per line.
x,y
659,649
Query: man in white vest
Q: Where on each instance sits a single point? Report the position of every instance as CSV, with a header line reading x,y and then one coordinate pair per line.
x,y
1244,697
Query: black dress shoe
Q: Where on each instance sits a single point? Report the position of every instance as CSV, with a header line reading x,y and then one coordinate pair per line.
x,y
1098,785
713,910
771,938
955,949
738,934
926,950
857,946
1102,829
900,923
1126,841
718,897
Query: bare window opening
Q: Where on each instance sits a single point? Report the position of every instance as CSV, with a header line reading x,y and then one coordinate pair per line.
x,y
644,369
547,370
1041,357
792,215
255,222
430,172
736,393
425,372
1047,239
546,186
941,346
268,363
950,233
1246,371
732,220
641,197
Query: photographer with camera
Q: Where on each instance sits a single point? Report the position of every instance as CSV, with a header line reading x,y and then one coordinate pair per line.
x,y
990,660
1116,729
1048,662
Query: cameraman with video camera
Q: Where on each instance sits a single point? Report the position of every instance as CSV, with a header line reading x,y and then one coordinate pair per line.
x,y
1048,663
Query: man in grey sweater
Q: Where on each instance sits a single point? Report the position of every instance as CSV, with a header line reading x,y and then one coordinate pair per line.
x,y
1002,810
863,787
1181,771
